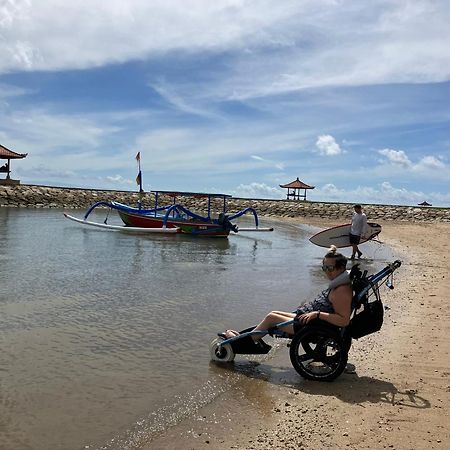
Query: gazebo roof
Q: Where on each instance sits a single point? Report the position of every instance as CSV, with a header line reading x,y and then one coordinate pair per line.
x,y
425,203
6,153
296,184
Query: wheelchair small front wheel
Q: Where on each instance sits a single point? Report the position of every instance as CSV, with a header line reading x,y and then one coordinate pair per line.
x,y
220,352
318,353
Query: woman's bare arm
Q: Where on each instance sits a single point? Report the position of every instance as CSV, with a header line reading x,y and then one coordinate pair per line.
x,y
341,298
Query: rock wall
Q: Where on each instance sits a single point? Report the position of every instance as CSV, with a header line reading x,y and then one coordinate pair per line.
x,y
31,196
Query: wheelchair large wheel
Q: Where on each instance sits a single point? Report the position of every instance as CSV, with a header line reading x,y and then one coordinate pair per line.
x,y
220,353
319,353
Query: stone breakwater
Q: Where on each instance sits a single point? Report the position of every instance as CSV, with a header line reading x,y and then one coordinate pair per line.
x,y
31,196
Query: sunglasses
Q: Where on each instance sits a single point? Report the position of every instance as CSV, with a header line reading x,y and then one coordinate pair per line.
x,y
327,268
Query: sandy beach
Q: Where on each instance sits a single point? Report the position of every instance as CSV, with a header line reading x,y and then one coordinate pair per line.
x,y
397,397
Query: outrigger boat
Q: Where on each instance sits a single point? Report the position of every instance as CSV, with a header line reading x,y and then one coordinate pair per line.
x,y
174,218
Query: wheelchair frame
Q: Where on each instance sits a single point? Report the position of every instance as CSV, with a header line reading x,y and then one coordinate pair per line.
x,y
319,350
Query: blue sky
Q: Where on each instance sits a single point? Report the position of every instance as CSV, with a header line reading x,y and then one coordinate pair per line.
x,y
231,96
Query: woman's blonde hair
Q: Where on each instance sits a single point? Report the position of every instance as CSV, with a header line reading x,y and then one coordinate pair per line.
x,y
332,249
340,261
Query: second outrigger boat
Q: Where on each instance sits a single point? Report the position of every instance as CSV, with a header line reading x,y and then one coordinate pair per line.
x,y
174,217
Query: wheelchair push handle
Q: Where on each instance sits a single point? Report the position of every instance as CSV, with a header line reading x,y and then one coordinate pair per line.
x,y
390,281
388,270
372,282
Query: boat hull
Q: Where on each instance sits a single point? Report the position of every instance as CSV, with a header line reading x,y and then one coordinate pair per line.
x,y
185,226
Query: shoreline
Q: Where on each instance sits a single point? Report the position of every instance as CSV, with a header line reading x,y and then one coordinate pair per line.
x,y
398,397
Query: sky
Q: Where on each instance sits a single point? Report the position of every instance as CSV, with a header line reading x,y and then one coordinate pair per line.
x,y
230,96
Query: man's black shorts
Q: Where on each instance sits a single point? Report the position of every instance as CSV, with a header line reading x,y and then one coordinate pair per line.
x,y
354,239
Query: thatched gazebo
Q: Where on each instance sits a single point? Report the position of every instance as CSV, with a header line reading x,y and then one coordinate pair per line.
x,y
295,189
6,153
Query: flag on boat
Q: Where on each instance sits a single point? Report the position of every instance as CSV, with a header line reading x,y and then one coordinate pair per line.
x,y
139,179
138,157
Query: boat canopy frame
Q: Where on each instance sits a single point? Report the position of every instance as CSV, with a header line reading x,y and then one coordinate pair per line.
x,y
175,194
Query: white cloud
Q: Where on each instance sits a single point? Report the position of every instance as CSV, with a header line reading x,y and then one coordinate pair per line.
x,y
225,150
285,46
328,146
331,190
257,190
178,100
11,91
384,193
396,157
118,179
431,163
400,159
277,165
40,171
40,35
398,194
57,131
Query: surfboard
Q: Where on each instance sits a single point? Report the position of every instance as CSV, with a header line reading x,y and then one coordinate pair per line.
x,y
339,235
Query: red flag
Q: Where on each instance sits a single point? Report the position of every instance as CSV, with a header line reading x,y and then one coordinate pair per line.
x,y
138,156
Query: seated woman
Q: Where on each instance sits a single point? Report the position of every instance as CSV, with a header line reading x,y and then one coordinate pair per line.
x,y
332,305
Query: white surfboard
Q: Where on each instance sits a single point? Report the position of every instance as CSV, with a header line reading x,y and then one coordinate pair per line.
x,y
339,236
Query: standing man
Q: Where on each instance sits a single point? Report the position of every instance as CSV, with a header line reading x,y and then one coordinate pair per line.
x,y
358,228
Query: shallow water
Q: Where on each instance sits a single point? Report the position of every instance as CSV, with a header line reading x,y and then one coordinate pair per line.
x,y
105,335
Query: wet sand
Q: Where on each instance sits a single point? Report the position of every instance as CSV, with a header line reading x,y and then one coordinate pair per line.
x,y
398,396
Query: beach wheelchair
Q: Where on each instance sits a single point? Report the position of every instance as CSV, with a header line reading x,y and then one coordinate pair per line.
x,y
319,350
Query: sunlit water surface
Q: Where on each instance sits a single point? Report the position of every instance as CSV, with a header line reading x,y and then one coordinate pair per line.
x,y
104,335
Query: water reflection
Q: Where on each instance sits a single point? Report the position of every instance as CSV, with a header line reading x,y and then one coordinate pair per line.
x,y
4,217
